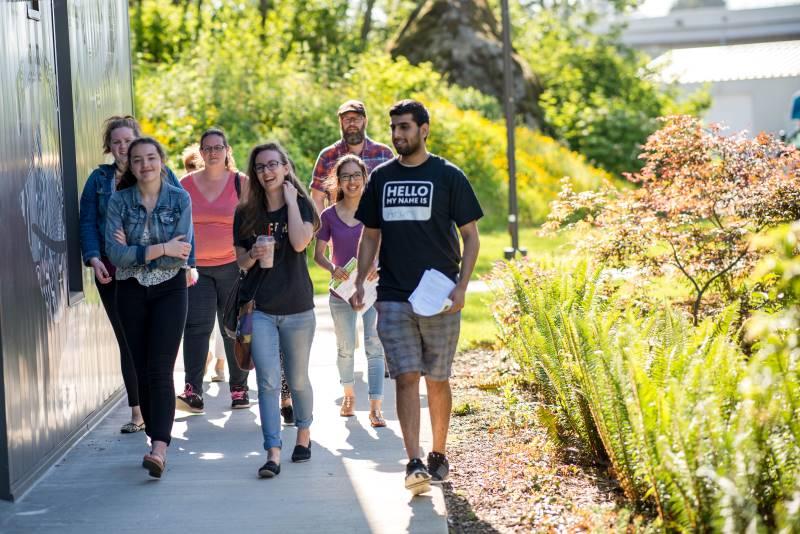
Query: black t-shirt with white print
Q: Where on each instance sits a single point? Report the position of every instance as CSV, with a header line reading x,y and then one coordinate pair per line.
x,y
286,288
418,210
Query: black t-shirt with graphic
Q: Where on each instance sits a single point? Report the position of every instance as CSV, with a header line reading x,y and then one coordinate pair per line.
x,y
418,210
285,288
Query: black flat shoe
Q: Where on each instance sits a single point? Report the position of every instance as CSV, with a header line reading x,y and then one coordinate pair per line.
x,y
288,415
269,470
301,454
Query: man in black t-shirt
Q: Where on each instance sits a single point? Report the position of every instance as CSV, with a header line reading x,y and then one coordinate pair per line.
x,y
414,206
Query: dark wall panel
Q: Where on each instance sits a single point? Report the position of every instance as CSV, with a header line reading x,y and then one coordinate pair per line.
x,y
60,363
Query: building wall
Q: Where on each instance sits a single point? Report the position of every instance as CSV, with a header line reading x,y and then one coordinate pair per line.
x,y
60,362
753,105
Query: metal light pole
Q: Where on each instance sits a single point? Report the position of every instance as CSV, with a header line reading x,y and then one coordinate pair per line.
x,y
508,105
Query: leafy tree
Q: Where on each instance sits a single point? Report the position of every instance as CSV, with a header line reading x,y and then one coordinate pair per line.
x,y
702,196
600,96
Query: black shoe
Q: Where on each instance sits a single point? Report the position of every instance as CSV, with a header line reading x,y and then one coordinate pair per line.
x,y
288,415
418,480
438,467
190,401
239,397
301,454
269,470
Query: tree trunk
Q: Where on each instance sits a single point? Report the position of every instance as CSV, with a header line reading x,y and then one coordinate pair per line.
x,y
199,25
367,25
461,38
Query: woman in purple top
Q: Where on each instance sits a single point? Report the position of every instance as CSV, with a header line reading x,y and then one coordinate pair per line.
x,y
341,230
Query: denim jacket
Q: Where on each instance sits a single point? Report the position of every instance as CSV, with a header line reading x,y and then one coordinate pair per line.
x,y
171,216
94,205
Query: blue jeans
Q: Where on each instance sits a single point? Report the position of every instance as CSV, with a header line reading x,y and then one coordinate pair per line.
x,y
344,324
293,335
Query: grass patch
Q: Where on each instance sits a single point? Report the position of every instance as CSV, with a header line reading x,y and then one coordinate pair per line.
x,y
477,324
492,245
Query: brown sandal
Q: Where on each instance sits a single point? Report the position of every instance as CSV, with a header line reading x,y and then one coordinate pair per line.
x,y
376,420
348,404
154,464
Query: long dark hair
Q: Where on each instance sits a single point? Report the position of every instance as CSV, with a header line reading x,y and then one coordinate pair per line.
x,y
128,179
332,183
256,202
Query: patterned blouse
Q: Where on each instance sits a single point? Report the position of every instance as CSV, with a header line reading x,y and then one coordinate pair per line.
x,y
146,277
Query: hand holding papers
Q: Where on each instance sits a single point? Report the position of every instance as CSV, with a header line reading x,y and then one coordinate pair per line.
x,y
432,294
345,289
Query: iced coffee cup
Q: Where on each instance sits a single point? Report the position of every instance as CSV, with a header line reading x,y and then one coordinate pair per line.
x,y
266,260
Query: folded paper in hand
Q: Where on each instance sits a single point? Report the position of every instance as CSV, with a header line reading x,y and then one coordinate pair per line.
x,y
432,294
347,288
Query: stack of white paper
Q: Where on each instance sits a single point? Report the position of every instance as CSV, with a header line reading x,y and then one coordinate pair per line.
x,y
432,294
347,288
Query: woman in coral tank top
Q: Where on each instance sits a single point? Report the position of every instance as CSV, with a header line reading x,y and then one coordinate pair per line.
x,y
215,192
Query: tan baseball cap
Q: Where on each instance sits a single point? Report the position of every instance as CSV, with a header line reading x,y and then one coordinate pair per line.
x,y
352,105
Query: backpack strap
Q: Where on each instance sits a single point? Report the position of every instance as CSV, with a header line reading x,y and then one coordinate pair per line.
x,y
237,183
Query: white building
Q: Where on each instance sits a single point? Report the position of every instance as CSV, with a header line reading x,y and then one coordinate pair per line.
x,y
752,85
749,58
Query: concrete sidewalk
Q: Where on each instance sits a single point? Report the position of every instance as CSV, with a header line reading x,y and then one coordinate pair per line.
x,y
353,483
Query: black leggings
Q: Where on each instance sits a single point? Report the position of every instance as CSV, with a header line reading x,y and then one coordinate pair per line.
x,y
107,297
206,304
153,319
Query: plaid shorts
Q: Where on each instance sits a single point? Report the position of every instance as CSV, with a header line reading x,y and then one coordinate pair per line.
x,y
413,343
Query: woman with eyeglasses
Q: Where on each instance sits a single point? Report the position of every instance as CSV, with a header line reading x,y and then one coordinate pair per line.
x,y
117,134
340,231
215,191
148,237
283,320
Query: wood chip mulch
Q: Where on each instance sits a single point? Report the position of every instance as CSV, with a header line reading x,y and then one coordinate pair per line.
x,y
505,476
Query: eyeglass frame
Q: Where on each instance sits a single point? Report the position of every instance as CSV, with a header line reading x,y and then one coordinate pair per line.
x,y
261,167
357,119
351,177
213,148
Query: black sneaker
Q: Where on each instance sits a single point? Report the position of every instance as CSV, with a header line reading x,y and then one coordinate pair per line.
x,y
438,467
239,397
269,470
418,480
288,415
189,401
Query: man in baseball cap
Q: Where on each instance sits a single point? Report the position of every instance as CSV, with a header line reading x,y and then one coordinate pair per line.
x,y
353,124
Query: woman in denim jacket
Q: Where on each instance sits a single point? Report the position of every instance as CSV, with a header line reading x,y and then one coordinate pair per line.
x,y
148,238
118,133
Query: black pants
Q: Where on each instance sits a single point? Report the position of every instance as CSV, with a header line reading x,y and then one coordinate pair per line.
x,y
206,304
107,297
153,319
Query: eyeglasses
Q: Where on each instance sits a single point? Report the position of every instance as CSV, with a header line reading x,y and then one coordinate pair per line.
x,y
355,177
358,119
215,148
271,165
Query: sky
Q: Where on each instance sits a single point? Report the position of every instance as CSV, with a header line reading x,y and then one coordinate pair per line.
x,y
657,8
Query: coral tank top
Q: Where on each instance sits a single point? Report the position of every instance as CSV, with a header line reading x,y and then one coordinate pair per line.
x,y
213,223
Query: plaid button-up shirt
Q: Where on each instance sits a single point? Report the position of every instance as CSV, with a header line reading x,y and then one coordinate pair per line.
x,y
373,154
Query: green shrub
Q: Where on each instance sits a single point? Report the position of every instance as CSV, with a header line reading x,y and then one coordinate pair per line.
x,y
688,424
255,92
